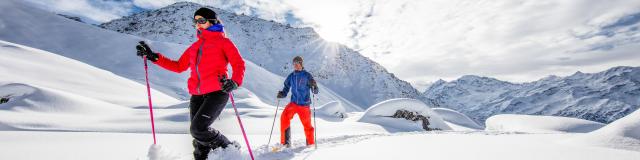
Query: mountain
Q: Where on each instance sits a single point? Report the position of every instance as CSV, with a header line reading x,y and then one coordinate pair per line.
x,y
603,97
272,45
114,52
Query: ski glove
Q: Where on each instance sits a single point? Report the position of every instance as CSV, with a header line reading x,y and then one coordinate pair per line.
x,y
144,50
314,86
281,94
227,84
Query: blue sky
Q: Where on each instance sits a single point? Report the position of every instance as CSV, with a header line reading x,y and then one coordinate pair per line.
x,y
422,41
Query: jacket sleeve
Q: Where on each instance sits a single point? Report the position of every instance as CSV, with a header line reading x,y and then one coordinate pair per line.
x,y
287,85
313,84
176,66
236,61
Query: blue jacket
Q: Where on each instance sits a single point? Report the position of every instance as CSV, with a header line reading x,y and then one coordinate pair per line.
x,y
299,83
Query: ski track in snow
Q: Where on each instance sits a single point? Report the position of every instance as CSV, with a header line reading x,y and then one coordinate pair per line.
x,y
300,151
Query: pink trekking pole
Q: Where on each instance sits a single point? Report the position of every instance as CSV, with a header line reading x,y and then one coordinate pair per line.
x,y
241,126
146,77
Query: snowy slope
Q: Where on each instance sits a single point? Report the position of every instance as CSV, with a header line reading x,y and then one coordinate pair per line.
x,y
114,52
100,48
271,45
602,97
22,64
54,93
623,133
51,92
540,124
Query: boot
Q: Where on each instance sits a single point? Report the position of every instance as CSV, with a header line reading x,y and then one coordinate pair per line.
x,y
201,152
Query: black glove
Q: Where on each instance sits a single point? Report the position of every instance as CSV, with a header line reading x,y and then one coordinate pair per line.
x,y
144,50
281,94
313,86
228,85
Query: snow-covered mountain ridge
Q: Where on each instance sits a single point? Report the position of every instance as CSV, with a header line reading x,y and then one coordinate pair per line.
x,y
272,45
603,97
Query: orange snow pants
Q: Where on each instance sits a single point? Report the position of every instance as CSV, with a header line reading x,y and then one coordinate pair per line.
x,y
304,113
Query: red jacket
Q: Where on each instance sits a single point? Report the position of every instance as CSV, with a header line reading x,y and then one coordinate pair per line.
x,y
207,58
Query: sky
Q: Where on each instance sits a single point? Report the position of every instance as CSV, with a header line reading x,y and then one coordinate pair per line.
x,y
421,41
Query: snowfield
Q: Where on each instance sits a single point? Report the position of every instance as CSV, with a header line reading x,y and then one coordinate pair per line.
x,y
621,134
540,124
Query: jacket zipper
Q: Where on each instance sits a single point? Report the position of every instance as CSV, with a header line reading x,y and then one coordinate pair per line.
x,y
198,63
295,85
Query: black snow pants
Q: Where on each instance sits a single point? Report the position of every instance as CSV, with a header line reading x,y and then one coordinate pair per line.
x,y
205,109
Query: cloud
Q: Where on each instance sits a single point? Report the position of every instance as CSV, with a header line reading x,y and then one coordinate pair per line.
x,y
520,40
91,11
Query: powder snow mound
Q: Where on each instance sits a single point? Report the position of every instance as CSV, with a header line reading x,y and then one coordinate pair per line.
x,y
333,109
540,124
157,152
382,113
457,118
24,97
42,69
623,133
228,153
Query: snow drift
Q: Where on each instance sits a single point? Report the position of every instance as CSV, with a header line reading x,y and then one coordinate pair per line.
x,y
540,124
51,92
383,113
456,118
22,64
333,109
623,133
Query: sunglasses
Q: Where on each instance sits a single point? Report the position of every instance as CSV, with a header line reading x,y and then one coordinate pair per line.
x,y
204,20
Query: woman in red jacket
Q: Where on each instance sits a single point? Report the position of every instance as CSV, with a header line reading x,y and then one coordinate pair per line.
x,y
208,84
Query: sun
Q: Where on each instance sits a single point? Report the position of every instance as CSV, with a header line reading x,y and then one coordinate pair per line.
x,y
333,34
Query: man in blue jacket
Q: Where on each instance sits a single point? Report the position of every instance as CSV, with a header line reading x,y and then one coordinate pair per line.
x,y
300,82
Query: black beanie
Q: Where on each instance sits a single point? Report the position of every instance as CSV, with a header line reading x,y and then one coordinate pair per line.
x,y
206,13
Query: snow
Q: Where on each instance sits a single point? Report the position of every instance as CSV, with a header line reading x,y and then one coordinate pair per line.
x,y
51,92
456,118
380,114
115,53
540,124
157,152
333,109
414,145
602,97
81,95
468,145
272,45
621,134
22,64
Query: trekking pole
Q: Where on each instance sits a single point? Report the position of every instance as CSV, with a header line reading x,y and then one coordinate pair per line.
x,y
274,121
246,140
146,77
315,125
